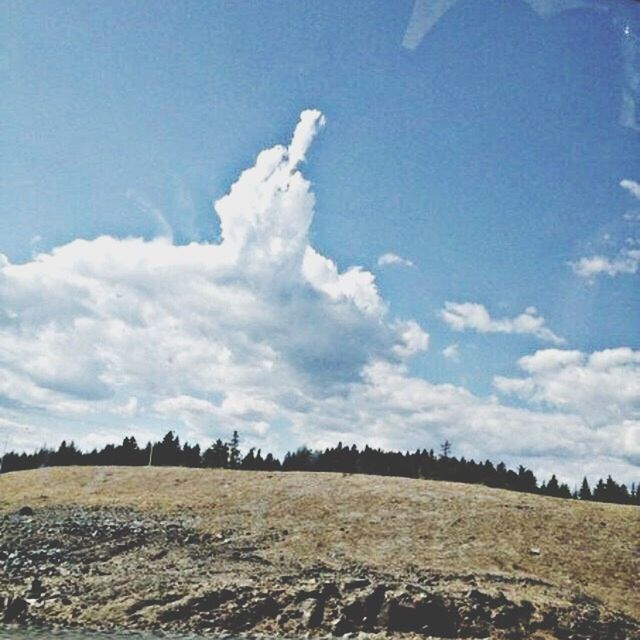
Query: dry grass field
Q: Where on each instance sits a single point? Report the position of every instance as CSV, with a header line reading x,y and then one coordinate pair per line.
x,y
391,524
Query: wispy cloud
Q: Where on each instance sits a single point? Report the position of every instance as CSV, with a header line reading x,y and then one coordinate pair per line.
x,y
143,203
388,259
451,352
631,71
627,260
474,316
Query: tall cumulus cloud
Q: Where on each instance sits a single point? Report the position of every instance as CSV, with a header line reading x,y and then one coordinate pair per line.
x,y
261,333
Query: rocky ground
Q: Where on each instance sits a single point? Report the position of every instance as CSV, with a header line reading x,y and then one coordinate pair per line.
x,y
106,566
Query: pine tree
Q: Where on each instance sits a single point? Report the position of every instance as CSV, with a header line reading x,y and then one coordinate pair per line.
x,y
585,491
553,487
234,451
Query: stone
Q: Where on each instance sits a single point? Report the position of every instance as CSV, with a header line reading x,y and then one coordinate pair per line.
x,y
371,604
25,511
431,614
35,591
355,583
15,609
330,590
340,626
312,612
512,615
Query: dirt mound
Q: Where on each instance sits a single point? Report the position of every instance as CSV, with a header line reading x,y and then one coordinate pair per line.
x,y
280,554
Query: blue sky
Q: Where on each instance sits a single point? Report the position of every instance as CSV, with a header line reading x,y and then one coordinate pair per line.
x,y
488,151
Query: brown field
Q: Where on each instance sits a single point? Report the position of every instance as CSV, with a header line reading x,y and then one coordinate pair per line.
x,y
390,524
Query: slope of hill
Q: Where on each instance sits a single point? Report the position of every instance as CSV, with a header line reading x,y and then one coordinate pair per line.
x,y
280,553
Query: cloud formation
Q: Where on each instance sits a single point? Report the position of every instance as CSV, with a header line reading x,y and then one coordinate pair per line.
x,y
263,334
388,259
470,315
631,186
258,322
627,261
451,352
601,388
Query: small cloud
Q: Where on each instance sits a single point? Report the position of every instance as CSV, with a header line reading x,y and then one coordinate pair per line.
x,y
630,94
470,315
631,186
451,353
627,261
393,259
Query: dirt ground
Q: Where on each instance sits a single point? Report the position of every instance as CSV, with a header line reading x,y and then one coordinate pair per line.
x,y
545,550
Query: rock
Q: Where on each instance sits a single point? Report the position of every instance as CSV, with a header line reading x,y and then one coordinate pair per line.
x,y
25,511
15,609
396,615
512,615
340,626
35,591
312,612
355,583
430,614
534,551
364,608
353,611
330,590
475,629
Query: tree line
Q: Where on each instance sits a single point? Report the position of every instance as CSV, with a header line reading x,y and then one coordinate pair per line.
x,y
421,463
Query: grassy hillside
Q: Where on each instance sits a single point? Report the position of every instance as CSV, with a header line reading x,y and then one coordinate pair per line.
x,y
391,524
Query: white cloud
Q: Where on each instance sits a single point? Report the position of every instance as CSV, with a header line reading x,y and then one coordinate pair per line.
x,y
393,259
105,337
632,187
229,332
471,315
601,387
630,53
626,261
451,352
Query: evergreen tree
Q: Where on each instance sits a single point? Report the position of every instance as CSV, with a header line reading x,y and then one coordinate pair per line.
x,y
553,487
234,451
168,453
217,455
341,458
585,490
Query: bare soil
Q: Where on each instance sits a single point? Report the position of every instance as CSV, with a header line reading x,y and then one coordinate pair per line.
x,y
282,553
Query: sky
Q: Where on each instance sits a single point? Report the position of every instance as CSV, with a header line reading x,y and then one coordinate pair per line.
x,y
368,222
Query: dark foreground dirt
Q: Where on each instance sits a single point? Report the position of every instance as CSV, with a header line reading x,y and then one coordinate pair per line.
x,y
291,555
